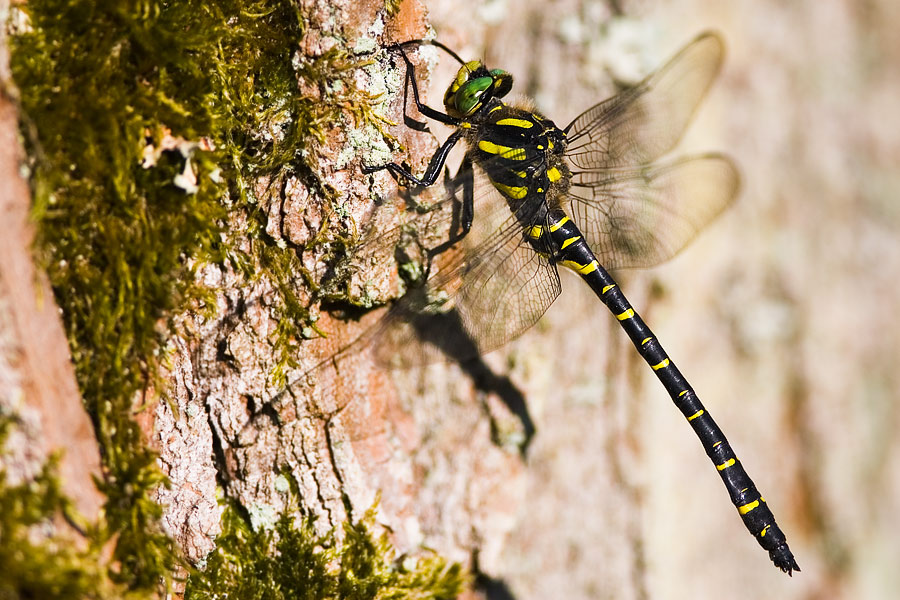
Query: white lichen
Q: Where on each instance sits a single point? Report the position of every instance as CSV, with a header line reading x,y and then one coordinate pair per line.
x,y
262,516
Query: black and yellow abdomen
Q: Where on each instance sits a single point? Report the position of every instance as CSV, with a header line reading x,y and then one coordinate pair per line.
x,y
568,248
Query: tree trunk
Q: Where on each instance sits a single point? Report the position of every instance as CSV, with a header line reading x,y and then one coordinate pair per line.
x,y
612,497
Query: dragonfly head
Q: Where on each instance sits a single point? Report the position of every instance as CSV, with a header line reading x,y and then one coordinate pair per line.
x,y
473,87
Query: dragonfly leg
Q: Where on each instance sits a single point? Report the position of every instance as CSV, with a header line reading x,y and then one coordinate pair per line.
x,y
421,106
440,157
434,166
468,186
463,212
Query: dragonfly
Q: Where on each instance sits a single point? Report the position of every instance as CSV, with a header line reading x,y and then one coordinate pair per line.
x,y
530,197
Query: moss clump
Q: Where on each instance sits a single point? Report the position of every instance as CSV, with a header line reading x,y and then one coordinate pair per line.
x,y
147,123
292,562
392,7
99,83
51,570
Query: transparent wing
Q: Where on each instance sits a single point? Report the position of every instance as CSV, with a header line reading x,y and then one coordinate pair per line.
x,y
496,284
507,285
641,216
644,122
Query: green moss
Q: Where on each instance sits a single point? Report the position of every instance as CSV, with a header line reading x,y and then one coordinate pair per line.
x,y
99,84
52,569
148,123
290,561
392,7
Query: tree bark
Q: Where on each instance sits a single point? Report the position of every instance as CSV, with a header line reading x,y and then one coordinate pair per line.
x,y
782,316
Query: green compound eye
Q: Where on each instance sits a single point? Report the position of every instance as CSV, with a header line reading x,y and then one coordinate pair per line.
x,y
502,82
468,97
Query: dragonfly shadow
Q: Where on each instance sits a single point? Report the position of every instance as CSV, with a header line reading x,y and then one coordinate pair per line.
x,y
491,588
446,333
429,338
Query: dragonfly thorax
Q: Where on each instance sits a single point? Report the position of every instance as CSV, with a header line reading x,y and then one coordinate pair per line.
x,y
520,151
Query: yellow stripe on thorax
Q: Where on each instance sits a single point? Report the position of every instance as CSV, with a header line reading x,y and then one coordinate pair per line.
x,y
515,122
559,223
569,242
553,174
504,151
512,191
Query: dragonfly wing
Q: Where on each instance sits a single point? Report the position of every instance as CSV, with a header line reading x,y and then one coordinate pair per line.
x,y
642,216
644,122
495,283
507,284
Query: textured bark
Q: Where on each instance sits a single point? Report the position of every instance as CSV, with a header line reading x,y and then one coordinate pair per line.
x,y
783,316
424,448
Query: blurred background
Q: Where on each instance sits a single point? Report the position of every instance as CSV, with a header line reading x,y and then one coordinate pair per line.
x,y
783,314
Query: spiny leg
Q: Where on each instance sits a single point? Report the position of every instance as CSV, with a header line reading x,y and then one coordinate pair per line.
x,y
434,166
465,178
440,157
421,106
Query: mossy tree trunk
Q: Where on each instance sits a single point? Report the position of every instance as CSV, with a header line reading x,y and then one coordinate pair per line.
x,y
614,497
348,439
439,449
